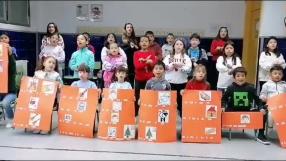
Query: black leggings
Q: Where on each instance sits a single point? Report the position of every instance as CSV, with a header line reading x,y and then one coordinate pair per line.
x,y
138,85
178,88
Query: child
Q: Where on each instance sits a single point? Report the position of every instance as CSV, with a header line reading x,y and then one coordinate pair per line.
x,y
111,62
225,65
168,47
268,58
51,29
7,99
219,42
5,39
197,54
154,45
199,80
240,96
48,70
216,51
178,65
109,39
89,46
144,60
130,45
53,49
158,82
274,86
83,55
120,79
83,72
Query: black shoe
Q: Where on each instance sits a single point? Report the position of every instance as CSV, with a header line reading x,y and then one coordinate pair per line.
x,y
262,139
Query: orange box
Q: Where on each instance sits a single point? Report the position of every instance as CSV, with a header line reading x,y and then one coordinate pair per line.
x,y
201,117
117,115
35,104
158,116
277,107
242,120
77,111
4,67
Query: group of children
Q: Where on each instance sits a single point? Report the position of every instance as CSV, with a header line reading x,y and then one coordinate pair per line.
x,y
170,68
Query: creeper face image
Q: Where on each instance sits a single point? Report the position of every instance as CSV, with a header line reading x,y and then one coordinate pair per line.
x,y
240,99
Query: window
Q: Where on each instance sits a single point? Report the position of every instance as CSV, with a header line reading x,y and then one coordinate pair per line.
x,y
15,12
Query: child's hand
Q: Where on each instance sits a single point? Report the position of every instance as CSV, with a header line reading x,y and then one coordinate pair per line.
x,y
182,92
195,64
149,61
9,49
141,60
222,109
263,98
229,66
263,111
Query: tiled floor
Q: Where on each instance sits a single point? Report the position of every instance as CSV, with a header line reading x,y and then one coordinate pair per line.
x,y
15,144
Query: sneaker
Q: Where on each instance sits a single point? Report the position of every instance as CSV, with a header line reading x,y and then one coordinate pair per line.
x,y
44,132
9,123
262,139
36,131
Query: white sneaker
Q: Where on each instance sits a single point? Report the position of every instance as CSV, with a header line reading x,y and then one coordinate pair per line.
x,y
36,131
9,123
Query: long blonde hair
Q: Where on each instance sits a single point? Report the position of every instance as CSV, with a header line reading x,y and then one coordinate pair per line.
x,y
200,67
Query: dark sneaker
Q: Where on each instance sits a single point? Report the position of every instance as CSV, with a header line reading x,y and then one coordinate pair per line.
x,y
262,139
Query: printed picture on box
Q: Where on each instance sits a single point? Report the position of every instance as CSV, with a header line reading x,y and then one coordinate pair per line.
x,y
164,98
112,94
112,132
82,106
129,131
33,85
211,111
163,116
210,131
245,118
83,93
114,117
150,133
48,87
34,103
117,106
34,119
68,118
205,95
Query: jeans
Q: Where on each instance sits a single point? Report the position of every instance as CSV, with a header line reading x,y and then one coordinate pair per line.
x,y
6,103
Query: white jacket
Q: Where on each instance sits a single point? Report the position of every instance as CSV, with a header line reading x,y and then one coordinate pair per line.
x,y
224,78
271,88
180,75
266,62
104,53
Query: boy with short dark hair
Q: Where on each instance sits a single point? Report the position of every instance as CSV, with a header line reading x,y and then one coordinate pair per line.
x,y
240,96
154,45
158,82
274,86
84,82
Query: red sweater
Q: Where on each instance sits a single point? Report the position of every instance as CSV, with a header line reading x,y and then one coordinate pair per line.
x,y
197,85
143,71
214,45
157,50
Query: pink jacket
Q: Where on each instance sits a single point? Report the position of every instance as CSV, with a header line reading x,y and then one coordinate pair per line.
x,y
109,66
